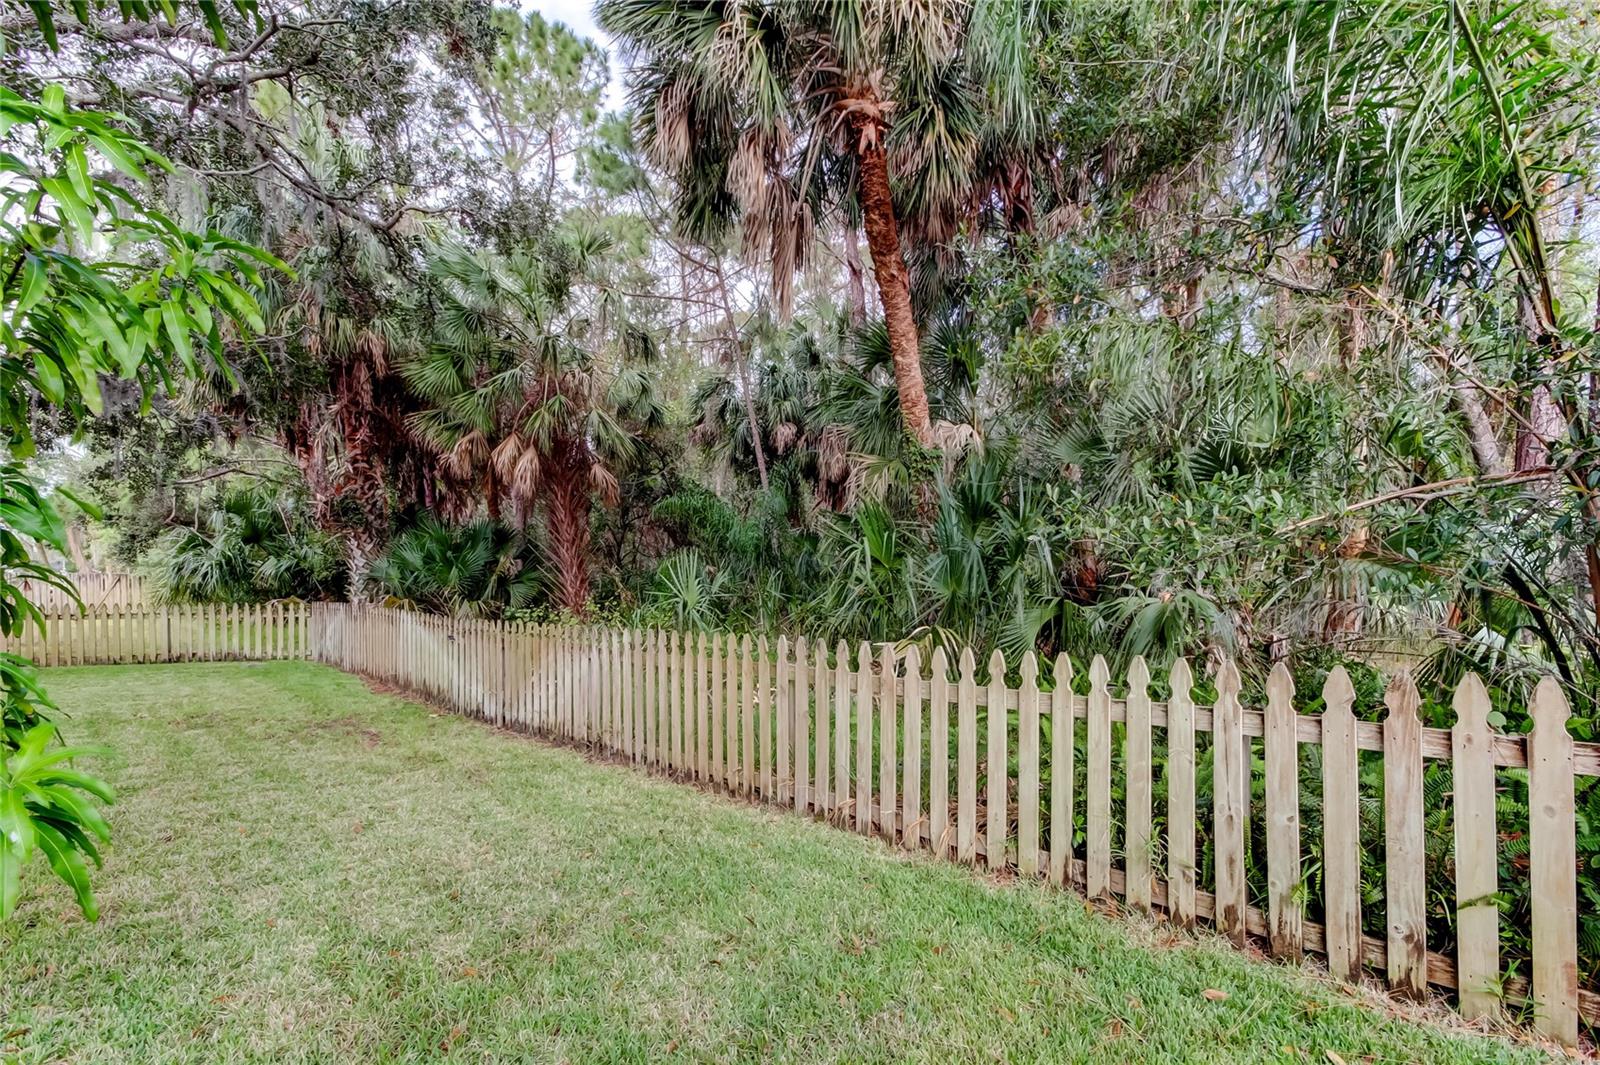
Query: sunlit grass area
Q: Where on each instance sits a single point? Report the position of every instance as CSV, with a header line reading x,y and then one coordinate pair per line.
x,y
305,871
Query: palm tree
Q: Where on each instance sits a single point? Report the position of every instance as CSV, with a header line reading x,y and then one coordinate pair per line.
x,y
473,569
773,112
533,401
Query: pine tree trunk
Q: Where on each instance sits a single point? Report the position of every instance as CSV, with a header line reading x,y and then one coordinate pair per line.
x,y
894,287
858,287
567,528
741,364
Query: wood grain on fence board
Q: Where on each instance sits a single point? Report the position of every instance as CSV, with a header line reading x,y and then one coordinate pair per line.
x,y
800,737
1230,771
1404,853
1028,768
888,745
1181,867
783,708
1281,751
939,753
1097,814
714,701
912,826
863,725
1062,743
821,690
967,759
843,696
1139,763
1553,863
763,680
997,765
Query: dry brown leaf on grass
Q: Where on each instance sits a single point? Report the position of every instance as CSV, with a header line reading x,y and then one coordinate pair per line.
x,y
1333,1057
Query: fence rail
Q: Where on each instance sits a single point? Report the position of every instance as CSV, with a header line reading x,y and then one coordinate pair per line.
x,y
193,633
872,742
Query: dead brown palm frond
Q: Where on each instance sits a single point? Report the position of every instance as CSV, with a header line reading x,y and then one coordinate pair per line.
x,y
672,138
372,347
833,454
784,436
469,452
956,439
604,484
507,454
749,173
524,478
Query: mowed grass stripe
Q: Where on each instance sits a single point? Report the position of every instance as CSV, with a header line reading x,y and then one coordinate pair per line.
x,y
306,871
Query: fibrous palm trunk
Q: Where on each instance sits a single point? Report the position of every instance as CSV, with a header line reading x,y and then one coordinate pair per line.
x,y
567,529
894,286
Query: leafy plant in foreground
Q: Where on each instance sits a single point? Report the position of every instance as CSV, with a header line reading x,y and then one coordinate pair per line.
x,y
69,320
45,806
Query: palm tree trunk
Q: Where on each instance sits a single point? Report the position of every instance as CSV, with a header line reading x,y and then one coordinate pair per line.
x,y
567,528
894,286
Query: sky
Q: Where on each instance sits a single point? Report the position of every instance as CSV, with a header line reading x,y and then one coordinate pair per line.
x,y
579,17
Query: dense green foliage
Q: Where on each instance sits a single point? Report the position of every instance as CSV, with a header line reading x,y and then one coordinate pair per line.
x,y
1258,330
97,285
250,544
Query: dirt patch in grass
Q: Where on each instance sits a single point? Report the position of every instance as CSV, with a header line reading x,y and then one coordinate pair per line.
x,y
351,726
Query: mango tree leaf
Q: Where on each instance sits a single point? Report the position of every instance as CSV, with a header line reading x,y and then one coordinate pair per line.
x,y
68,865
10,882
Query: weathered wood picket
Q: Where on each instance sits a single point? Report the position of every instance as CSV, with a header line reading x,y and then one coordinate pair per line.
x,y
868,741
865,740
207,632
99,591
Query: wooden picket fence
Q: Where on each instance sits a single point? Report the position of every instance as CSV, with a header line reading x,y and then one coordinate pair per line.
x,y
867,743
209,632
99,591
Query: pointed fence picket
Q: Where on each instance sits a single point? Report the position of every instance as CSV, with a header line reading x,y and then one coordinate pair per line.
x,y
123,633
867,739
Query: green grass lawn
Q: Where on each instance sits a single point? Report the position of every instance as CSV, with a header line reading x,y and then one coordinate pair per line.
x,y
305,871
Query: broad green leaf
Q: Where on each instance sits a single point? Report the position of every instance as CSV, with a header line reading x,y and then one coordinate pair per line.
x,y
77,166
198,310
113,148
178,326
214,20
48,377
79,809
73,778
40,523
68,865
47,29
10,883
74,210
82,502
16,825
34,282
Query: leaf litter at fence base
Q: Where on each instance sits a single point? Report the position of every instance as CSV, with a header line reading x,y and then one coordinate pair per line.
x,y
282,890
